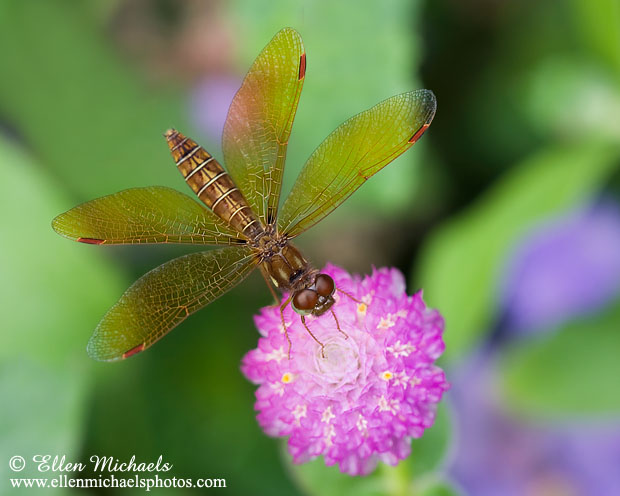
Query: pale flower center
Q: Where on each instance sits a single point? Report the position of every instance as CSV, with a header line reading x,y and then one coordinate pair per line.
x,y
341,364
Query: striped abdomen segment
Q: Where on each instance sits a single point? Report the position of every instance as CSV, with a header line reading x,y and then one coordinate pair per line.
x,y
212,184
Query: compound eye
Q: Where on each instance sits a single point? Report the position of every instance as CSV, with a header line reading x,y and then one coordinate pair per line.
x,y
324,285
305,300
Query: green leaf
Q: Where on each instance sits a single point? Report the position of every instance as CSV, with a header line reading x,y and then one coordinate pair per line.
x,y
86,113
52,294
314,478
426,456
599,23
460,264
559,88
575,371
435,486
428,452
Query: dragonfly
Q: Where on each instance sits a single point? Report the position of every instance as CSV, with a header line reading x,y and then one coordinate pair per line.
x,y
239,211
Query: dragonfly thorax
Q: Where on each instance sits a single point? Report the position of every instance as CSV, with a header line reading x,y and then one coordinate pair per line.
x,y
283,263
311,292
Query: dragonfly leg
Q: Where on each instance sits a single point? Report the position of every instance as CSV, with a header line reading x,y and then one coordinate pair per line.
x,y
270,286
284,325
303,321
349,295
346,336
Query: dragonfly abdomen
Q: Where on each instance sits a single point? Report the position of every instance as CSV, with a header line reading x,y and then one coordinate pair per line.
x,y
212,184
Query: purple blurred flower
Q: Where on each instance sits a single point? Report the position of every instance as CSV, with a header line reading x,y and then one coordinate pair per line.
x,y
372,392
567,267
209,104
496,453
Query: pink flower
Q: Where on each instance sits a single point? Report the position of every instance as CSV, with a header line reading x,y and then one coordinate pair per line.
x,y
377,386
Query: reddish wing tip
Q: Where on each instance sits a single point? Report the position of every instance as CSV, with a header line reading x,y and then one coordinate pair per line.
x,y
91,241
419,133
302,66
133,351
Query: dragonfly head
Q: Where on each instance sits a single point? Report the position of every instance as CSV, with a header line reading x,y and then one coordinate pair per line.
x,y
316,299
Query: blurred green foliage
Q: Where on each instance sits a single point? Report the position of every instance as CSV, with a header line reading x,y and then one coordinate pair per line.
x,y
52,295
569,374
462,261
93,122
598,22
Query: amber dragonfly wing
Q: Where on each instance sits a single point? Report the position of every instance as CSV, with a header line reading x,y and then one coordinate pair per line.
x,y
144,215
355,151
163,298
260,119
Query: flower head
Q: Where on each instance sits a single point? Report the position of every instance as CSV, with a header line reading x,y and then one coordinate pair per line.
x,y
375,388
569,266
